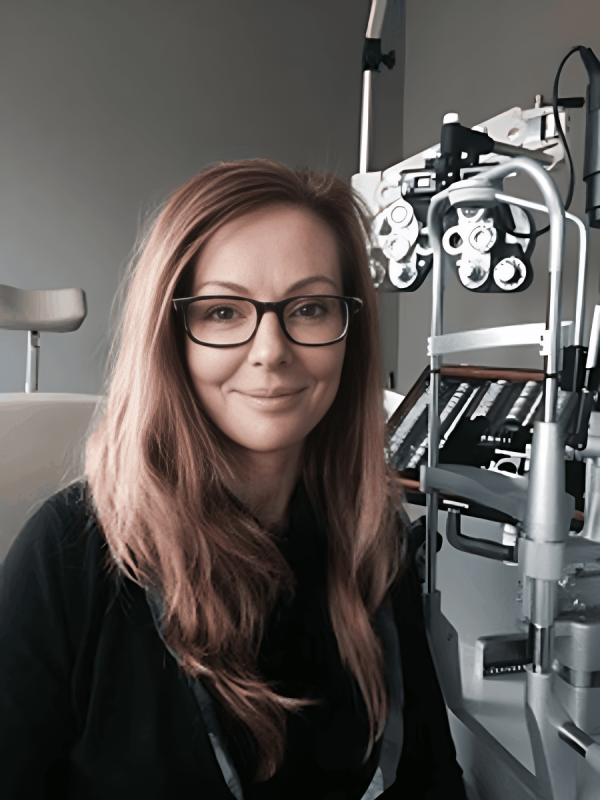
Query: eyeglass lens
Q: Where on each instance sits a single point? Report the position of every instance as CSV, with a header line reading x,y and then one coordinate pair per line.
x,y
308,320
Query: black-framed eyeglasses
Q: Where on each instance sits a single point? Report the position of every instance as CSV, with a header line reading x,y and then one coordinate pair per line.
x,y
312,320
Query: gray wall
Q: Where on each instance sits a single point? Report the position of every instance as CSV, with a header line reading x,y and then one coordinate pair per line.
x,y
108,105
479,58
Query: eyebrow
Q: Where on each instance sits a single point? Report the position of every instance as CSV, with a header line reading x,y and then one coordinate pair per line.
x,y
294,287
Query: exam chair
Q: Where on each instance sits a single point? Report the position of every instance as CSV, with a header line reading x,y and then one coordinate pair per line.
x,y
39,431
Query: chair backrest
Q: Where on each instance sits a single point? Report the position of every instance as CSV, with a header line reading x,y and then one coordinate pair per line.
x,y
39,433
37,310
391,401
54,310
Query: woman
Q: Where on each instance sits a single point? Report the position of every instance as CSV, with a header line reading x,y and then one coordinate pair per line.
x,y
223,603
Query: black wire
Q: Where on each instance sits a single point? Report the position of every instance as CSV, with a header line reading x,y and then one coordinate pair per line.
x,y
561,134
531,233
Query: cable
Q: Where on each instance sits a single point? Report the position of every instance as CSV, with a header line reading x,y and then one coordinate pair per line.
x,y
563,139
531,234
561,133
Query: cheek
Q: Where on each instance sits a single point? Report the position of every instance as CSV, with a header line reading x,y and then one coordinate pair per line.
x,y
210,367
327,370
336,359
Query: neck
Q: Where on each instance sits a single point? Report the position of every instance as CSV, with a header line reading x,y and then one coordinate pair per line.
x,y
265,483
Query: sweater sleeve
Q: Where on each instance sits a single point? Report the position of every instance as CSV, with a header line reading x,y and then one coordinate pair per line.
x,y
36,656
428,769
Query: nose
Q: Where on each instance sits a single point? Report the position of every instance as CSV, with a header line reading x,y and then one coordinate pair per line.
x,y
270,345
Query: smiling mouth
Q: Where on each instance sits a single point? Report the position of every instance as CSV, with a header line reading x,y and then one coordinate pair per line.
x,y
273,396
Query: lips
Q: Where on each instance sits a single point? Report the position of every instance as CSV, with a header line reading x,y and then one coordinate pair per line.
x,y
272,392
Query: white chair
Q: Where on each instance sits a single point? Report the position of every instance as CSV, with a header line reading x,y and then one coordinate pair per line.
x,y
391,401
39,432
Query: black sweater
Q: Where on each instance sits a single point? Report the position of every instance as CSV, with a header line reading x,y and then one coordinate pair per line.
x,y
93,705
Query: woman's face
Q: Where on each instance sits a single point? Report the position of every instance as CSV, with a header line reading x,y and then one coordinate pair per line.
x,y
268,255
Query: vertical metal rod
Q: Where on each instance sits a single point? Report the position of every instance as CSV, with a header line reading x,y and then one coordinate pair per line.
x,y
551,361
553,318
556,213
434,219
581,278
541,644
375,23
433,497
365,122
583,228
541,626
557,222
33,362
550,396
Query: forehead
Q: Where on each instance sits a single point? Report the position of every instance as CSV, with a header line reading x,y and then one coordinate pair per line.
x,y
270,249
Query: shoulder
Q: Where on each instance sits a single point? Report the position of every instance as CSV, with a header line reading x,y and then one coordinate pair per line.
x,y
54,587
57,554
55,526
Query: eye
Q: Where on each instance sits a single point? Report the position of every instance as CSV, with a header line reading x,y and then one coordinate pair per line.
x,y
222,313
310,309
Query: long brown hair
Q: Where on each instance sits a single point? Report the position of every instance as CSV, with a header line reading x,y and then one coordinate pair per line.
x,y
157,466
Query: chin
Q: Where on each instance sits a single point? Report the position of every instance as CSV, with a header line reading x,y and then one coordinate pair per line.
x,y
258,441
266,446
